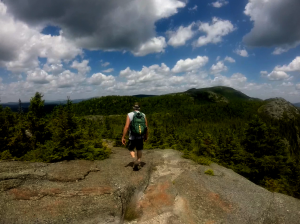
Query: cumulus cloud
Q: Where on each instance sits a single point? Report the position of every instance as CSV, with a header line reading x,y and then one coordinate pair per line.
x,y
181,35
292,67
242,52
39,76
219,3
101,79
21,45
237,80
105,64
108,70
229,59
214,31
275,24
218,68
54,69
81,67
147,74
64,79
68,79
190,64
154,45
277,75
98,24
157,78
287,84
263,73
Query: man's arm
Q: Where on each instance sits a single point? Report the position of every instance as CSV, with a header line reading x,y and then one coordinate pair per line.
x,y
147,133
125,130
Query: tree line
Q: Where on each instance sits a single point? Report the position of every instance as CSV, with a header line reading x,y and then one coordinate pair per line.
x,y
231,134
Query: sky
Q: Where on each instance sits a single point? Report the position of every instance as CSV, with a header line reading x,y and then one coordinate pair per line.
x,y
85,49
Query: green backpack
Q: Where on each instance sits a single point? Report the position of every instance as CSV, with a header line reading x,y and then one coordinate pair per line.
x,y
138,124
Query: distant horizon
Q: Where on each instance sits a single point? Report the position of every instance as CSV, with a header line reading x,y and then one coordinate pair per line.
x,y
48,101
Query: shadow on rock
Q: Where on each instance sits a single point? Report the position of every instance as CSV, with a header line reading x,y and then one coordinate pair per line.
x,y
136,168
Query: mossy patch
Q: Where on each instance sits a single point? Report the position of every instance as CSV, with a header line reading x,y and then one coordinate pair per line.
x,y
209,172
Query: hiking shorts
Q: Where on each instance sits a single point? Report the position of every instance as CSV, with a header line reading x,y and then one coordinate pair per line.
x,y
136,143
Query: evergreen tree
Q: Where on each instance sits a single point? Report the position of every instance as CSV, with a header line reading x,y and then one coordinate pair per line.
x,y
36,120
266,151
20,109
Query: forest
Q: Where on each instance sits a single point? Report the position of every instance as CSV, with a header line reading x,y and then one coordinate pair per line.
x,y
228,132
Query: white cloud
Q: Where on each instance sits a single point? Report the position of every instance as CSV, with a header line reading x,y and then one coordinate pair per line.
x,y
277,75
101,79
194,8
108,70
285,48
229,59
293,66
190,64
154,45
21,45
214,32
218,58
218,68
241,52
287,84
181,35
166,8
39,77
54,69
263,73
237,80
82,67
105,64
219,3
176,79
298,86
68,79
119,24
147,74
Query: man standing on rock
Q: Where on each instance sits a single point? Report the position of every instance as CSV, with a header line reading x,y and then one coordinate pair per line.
x,y
137,124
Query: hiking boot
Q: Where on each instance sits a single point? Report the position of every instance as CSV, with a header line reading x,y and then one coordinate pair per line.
x,y
135,163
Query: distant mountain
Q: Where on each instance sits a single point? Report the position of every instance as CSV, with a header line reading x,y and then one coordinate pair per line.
x,y
218,94
143,96
296,104
49,105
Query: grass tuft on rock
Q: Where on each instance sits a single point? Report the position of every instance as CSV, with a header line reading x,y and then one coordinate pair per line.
x,y
209,172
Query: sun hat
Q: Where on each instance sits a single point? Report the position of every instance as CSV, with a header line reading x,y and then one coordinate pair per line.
x,y
136,106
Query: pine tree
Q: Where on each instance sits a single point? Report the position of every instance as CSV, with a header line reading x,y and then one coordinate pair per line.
x,y
267,155
36,120
20,109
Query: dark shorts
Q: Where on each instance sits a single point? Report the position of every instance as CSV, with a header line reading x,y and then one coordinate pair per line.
x,y
137,143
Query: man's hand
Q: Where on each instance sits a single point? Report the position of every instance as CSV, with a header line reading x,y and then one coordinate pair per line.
x,y
123,141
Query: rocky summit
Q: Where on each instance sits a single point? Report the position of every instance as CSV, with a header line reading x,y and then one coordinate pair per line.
x,y
277,107
167,189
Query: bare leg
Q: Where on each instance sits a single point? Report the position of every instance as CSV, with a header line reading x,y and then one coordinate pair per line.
x,y
139,155
132,153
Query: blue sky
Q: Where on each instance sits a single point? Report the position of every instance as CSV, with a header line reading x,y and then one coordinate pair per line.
x,y
125,47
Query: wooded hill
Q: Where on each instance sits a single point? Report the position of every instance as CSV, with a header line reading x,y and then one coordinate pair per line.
x,y
217,124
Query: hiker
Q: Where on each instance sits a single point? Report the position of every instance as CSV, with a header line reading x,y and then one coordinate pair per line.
x,y
137,124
